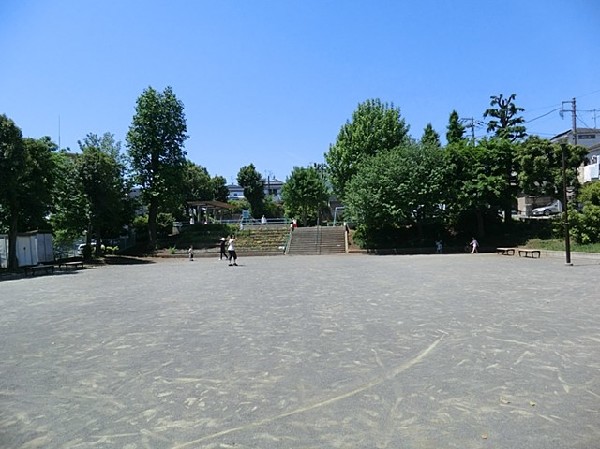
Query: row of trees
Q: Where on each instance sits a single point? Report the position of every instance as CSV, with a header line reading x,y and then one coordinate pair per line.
x,y
89,192
389,182
392,184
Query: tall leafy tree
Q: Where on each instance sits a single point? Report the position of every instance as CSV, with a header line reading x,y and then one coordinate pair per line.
x,y
398,189
155,142
69,216
375,127
252,182
36,186
505,121
104,186
198,184
219,186
479,181
430,137
304,194
26,177
539,166
13,163
455,130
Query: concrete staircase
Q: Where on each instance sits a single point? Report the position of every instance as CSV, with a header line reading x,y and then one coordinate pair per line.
x,y
317,240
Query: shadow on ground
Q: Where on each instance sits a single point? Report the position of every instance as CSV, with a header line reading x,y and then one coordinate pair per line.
x,y
126,260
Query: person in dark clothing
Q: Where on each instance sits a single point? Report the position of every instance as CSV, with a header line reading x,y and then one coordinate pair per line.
x,y
222,249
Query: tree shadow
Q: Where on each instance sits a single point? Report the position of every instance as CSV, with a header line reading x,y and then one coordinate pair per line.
x,y
126,260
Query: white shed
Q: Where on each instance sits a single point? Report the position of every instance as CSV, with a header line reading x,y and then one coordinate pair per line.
x,y
32,248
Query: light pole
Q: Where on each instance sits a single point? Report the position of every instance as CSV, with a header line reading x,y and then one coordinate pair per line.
x,y
565,208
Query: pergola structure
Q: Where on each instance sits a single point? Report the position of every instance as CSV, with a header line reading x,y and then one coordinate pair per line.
x,y
200,211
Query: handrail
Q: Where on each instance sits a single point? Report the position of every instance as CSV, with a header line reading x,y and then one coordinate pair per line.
x,y
319,239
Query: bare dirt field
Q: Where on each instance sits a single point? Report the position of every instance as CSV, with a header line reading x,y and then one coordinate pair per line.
x,y
346,351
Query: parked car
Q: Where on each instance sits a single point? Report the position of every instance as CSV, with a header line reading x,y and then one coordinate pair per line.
x,y
555,207
92,244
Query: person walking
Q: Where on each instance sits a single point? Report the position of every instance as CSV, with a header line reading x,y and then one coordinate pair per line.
x,y
222,251
474,246
231,250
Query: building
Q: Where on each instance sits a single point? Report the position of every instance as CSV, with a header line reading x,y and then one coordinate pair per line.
x,y
586,137
271,187
589,138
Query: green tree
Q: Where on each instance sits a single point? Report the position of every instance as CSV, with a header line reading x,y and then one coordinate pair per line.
x,y
69,204
219,186
396,190
198,184
539,166
13,163
304,194
455,130
375,127
155,141
26,177
104,187
430,137
479,187
585,223
506,122
37,182
252,182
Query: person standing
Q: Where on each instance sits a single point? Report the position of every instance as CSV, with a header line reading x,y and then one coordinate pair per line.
x,y
191,253
222,251
231,250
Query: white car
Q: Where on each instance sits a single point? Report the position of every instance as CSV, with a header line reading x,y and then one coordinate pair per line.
x,y
555,207
92,244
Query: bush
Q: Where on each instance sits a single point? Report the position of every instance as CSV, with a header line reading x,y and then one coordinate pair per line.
x,y
140,226
585,225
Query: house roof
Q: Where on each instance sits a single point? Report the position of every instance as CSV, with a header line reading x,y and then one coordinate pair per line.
x,y
210,204
579,131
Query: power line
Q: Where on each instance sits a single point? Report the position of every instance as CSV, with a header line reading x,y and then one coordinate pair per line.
x,y
584,123
543,115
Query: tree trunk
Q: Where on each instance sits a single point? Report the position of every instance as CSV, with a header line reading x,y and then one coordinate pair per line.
x,y
152,216
480,224
507,215
13,261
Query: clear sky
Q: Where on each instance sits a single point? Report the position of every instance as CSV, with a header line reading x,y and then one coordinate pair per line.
x,y
270,82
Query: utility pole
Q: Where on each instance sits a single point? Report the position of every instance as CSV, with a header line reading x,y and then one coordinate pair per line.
x,y
565,208
573,111
470,122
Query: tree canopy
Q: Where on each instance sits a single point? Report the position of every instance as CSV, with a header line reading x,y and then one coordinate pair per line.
x,y
506,122
455,130
155,143
104,187
375,127
304,194
430,137
26,182
252,182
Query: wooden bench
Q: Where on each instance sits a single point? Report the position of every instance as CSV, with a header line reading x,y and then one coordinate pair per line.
x,y
506,251
533,253
71,265
39,268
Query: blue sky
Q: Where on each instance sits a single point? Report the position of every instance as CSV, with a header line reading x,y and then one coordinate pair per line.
x,y
270,82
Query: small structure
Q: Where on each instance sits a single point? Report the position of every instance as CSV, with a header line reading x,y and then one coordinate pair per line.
x,y
32,248
200,211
